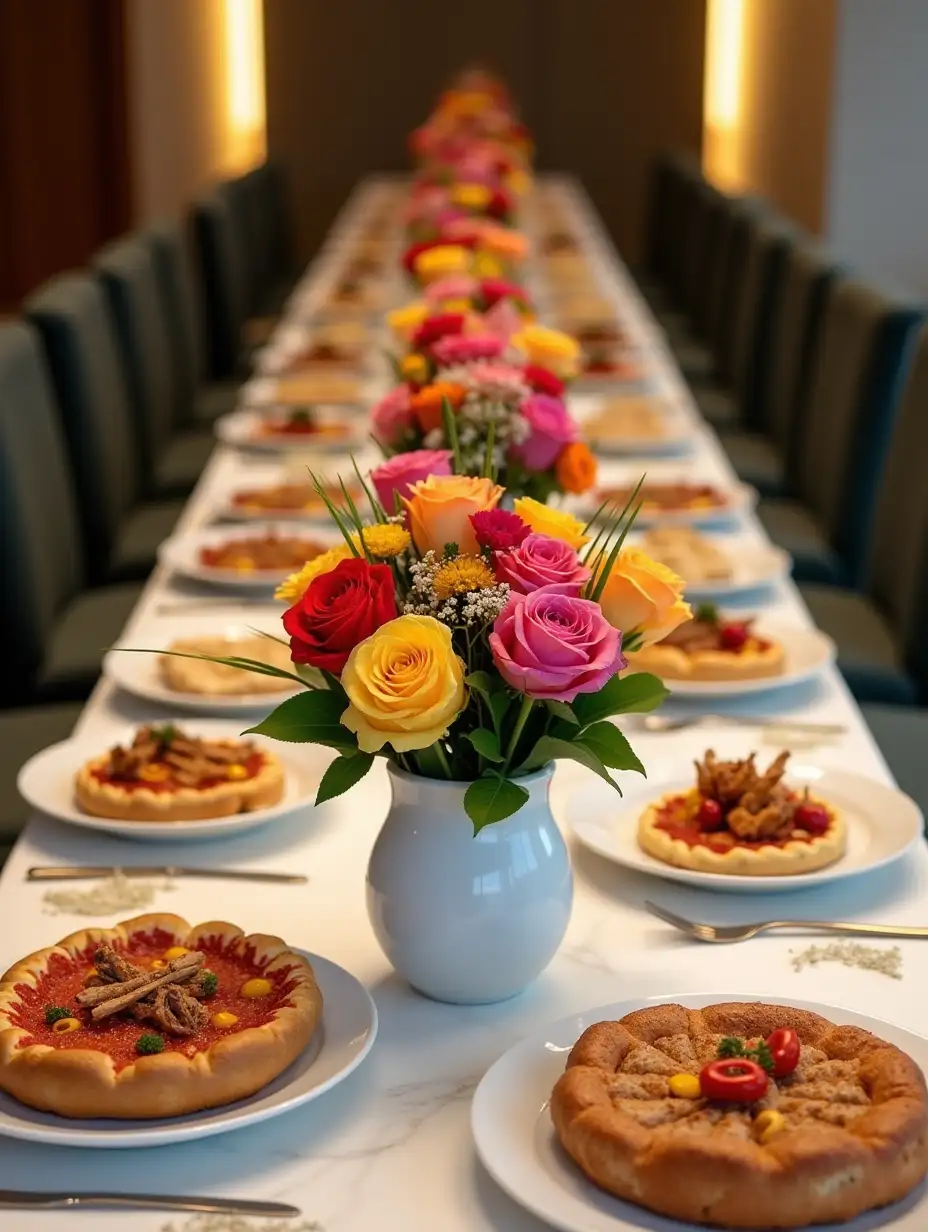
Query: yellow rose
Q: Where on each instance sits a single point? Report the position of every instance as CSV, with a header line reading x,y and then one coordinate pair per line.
x,y
552,522
518,181
644,597
456,305
405,685
415,369
470,196
445,259
439,509
549,348
487,266
406,320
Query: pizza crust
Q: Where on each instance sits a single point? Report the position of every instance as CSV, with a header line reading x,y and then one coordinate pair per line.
x,y
264,790
697,1161
671,663
85,1083
799,856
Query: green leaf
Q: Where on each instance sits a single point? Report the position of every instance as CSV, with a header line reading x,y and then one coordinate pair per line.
x,y
489,467
550,748
334,685
486,743
634,694
562,711
610,746
342,774
495,693
313,717
484,683
492,799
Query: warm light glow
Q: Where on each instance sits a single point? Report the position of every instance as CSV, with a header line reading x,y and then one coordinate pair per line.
x,y
244,21
722,91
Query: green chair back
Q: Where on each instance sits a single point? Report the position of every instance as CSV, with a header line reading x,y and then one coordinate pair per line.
x,y
182,303
225,281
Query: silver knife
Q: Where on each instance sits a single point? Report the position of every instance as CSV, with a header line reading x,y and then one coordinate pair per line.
x,y
15,1199
60,873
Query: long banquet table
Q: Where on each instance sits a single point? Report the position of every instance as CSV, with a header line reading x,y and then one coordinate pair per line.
x,y
391,1148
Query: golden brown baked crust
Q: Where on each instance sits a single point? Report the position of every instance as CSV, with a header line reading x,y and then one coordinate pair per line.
x,y
755,662
109,799
855,1134
85,1082
800,855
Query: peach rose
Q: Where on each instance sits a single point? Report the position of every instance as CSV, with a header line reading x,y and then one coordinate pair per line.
x,y
644,598
440,509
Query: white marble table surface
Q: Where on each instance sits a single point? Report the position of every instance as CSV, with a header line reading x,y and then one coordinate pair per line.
x,y
390,1149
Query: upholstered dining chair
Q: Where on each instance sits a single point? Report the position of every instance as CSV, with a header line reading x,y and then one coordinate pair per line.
x,y
121,529
225,281
54,630
172,455
879,630
844,429
787,331
182,300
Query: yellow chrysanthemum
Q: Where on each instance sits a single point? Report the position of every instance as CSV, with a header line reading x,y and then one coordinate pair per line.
x,y
294,587
384,540
415,369
461,576
456,305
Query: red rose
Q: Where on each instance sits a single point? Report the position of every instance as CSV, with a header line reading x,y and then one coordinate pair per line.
x,y
500,204
439,326
340,609
542,381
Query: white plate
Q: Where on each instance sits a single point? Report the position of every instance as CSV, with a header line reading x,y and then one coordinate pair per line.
x,y
182,553
882,824
808,653
753,565
349,1028
517,1145
140,674
740,498
240,430
46,782
294,472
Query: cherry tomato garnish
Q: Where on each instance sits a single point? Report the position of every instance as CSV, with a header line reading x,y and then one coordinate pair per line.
x,y
784,1048
811,817
735,1079
710,815
733,637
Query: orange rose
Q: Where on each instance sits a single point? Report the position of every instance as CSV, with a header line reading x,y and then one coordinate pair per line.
x,y
439,510
426,403
575,468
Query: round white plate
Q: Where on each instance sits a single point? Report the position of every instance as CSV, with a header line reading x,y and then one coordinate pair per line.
x,y
753,565
808,652
240,430
46,782
740,498
274,476
518,1147
882,824
182,553
140,674
347,1034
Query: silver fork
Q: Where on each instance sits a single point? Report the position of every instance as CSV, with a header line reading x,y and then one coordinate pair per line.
x,y
725,934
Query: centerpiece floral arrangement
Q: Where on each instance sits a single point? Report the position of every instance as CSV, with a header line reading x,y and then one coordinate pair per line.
x,y
469,643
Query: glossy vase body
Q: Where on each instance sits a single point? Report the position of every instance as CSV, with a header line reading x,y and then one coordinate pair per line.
x,y
464,918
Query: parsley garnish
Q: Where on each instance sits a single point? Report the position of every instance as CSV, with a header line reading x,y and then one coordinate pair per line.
x,y
707,613
149,1044
209,983
54,1013
730,1047
165,735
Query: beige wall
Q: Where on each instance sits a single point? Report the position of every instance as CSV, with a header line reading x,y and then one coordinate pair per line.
x,y
177,101
786,104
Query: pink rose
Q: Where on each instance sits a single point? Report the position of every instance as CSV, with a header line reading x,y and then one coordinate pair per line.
x,y
502,320
398,473
454,286
552,429
540,561
391,417
466,348
552,647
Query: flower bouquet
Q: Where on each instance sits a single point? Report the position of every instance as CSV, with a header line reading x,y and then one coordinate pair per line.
x,y
471,648
487,387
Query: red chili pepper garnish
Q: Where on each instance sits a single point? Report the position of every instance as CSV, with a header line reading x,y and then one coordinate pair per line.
x,y
734,1079
784,1048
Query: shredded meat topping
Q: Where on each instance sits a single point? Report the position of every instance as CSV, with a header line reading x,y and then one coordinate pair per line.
x,y
756,804
190,761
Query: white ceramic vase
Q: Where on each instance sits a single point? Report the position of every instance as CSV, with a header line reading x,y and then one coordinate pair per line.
x,y
463,918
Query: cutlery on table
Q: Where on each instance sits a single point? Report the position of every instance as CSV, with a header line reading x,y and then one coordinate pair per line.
x,y
724,934
671,723
61,873
17,1199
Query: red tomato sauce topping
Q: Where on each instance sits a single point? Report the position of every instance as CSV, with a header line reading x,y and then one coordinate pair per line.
x,y
252,764
676,818
117,1036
